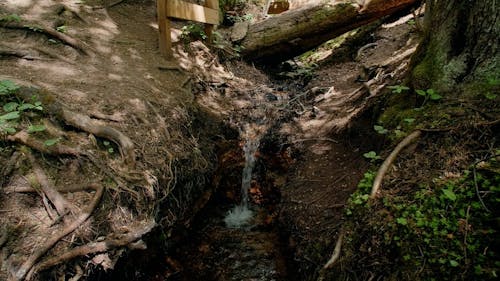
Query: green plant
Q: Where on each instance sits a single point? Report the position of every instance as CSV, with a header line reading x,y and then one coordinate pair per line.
x,y
428,94
398,89
108,147
372,155
380,129
448,227
193,32
62,28
13,109
361,195
11,17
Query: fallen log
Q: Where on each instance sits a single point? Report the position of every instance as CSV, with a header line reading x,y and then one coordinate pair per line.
x,y
294,32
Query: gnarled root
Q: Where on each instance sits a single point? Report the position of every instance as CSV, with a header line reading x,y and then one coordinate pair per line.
x,y
97,247
57,149
77,120
62,206
51,241
85,123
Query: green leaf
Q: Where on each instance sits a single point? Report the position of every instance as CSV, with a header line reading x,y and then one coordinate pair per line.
x,y
450,194
62,28
379,129
11,17
7,87
433,95
453,263
371,155
421,93
36,128
398,89
11,106
10,130
490,96
106,143
10,116
402,221
409,120
50,142
25,106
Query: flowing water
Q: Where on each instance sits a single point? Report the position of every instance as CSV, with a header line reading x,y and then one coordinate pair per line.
x,y
241,214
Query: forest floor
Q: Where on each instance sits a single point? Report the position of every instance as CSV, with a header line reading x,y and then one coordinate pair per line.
x,y
182,125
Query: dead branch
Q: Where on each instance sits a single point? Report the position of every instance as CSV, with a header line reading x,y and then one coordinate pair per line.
x,y
389,160
52,240
62,206
66,39
97,247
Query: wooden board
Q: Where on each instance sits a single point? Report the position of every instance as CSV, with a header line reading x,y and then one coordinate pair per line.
x,y
188,11
165,42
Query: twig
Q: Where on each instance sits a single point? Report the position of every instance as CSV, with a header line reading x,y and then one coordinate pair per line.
x,y
52,240
389,160
96,247
474,173
311,139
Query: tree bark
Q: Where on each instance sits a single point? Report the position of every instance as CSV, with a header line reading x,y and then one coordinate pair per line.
x,y
459,53
294,32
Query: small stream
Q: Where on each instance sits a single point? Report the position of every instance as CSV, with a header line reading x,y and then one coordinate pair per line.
x,y
241,214
235,240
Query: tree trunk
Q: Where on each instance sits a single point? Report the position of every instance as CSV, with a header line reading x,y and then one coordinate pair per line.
x,y
297,31
459,53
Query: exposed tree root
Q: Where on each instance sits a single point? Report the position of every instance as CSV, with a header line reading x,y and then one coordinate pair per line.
x,y
18,54
85,123
52,240
57,149
8,167
389,160
62,206
66,39
334,258
96,247
80,121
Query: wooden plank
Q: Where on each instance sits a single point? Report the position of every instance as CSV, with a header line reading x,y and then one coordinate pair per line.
x,y
188,11
209,28
165,40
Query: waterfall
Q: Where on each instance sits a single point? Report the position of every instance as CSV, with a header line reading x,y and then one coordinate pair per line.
x,y
241,214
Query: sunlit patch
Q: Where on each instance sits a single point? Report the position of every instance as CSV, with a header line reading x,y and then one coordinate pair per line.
x,y
19,3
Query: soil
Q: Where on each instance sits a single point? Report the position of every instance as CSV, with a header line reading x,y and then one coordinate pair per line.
x,y
183,118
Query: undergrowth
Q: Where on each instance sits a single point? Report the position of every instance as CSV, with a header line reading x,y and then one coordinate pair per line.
x,y
442,229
